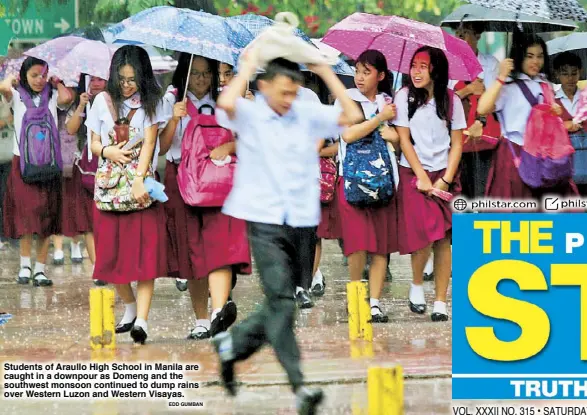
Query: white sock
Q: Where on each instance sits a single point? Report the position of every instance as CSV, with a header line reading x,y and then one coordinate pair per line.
x,y
130,312
201,325
440,307
215,313
39,268
76,250
429,268
299,290
374,302
141,323
25,261
318,278
181,280
417,294
58,254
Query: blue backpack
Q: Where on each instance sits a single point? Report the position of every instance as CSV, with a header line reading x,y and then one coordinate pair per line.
x,y
367,171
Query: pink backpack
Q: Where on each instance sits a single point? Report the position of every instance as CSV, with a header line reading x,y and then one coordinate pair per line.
x,y
202,182
328,173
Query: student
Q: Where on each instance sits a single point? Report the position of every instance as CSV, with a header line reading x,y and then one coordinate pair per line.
x,y
528,64
369,230
78,202
130,246
226,75
7,144
32,208
277,193
209,246
431,142
568,68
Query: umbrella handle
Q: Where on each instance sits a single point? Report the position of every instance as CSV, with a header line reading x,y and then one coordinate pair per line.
x,y
187,81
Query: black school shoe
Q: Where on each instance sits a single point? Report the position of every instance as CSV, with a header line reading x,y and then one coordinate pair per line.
x,y
429,277
45,282
125,328
303,300
181,285
307,401
223,345
379,317
318,289
24,280
138,335
224,319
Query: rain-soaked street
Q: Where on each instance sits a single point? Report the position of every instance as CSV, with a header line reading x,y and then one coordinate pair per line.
x,y
52,324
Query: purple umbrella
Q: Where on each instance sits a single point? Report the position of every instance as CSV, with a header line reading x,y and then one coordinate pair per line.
x,y
398,38
11,67
88,57
54,50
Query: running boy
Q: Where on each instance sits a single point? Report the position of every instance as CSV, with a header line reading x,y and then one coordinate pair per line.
x,y
276,191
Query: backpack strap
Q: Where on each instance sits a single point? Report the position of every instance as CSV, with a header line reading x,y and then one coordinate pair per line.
x,y
207,106
532,100
27,99
115,117
566,116
191,109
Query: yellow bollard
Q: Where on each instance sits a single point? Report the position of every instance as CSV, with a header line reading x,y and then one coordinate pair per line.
x,y
108,322
385,390
96,328
352,294
366,328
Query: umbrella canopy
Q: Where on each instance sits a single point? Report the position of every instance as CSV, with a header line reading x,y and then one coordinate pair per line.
x,y
575,42
494,20
54,50
398,38
547,9
90,57
187,31
256,24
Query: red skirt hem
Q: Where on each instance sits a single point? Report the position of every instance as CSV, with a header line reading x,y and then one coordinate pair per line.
x,y
329,227
31,208
373,230
77,208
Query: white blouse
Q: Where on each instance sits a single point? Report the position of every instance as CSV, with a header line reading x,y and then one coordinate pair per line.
x,y
99,119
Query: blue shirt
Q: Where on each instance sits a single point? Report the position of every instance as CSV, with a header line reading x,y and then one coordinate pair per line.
x,y
277,175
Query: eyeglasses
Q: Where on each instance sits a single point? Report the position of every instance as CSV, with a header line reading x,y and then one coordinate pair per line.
x,y
204,75
129,82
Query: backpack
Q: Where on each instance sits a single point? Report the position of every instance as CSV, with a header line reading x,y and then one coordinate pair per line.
x,y
579,143
113,191
87,169
491,132
546,158
39,144
203,182
68,143
368,174
328,174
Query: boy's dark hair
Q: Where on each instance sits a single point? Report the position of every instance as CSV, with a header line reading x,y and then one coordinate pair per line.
x,y
475,27
283,67
567,59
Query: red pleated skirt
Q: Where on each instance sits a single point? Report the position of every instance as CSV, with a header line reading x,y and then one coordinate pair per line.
x,y
77,206
216,241
179,264
130,246
330,227
504,181
373,230
423,219
31,208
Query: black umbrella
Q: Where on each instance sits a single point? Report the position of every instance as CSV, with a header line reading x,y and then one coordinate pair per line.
x,y
494,20
547,9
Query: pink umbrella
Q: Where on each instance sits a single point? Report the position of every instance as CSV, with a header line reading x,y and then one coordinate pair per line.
x,y
88,57
398,38
11,67
54,50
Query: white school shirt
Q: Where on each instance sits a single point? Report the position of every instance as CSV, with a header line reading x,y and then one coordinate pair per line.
x,y
275,180
490,72
513,109
369,111
169,100
570,106
99,119
19,110
430,133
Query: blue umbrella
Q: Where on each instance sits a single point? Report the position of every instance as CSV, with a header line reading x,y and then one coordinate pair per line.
x,y
185,30
256,24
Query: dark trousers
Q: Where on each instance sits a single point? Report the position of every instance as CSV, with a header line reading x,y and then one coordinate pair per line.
x,y
276,250
474,172
306,254
4,172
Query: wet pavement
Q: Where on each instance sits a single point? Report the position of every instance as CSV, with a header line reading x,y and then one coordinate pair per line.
x,y
52,324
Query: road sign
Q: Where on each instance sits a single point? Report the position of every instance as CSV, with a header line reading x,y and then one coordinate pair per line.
x,y
39,22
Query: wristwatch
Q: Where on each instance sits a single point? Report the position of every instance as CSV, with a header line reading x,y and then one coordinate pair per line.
x,y
482,120
139,174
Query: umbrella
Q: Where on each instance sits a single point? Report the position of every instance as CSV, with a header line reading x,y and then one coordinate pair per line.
x,y
54,50
187,31
90,57
494,20
256,24
548,9
398,38
575,42
11,67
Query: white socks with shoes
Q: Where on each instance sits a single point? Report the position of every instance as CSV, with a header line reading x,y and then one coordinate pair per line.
x,y
440,307
375,306
417,294
25,272
318,278
76,250
130,313
142,324
39,268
